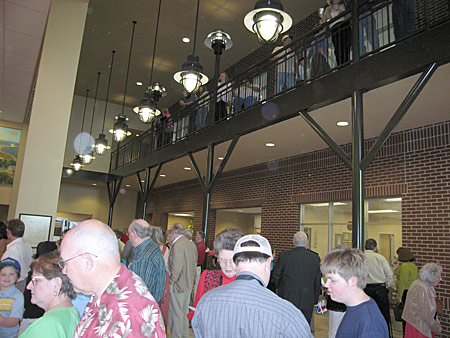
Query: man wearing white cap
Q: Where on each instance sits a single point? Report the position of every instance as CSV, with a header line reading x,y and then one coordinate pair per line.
x,y
245,307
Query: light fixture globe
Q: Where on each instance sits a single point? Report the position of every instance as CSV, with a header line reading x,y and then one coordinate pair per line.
x,y
191,76
77,163
268,20
157,91
88,158
101,144
218,41
147,109
120,130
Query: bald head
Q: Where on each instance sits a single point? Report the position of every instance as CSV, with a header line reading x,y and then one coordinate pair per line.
x,y
300,238
94,237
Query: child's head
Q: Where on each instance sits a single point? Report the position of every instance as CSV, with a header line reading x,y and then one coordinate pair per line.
x,y
9,272
347,263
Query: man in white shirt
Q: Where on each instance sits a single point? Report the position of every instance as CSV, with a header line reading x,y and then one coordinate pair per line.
x,y
19,250
380,277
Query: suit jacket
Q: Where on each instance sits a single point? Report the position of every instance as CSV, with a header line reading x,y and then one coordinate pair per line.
x,y
297,277
183,265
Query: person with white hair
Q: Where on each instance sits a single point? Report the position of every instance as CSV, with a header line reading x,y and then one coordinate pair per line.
x,y
148,261
121,304
297,275
182,270
421,306
245,307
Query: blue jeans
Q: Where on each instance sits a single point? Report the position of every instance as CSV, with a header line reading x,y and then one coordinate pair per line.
x,y
283,79
368,24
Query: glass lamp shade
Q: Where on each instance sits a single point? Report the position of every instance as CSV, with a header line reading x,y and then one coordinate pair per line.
x,y
77,163
120,130
191,76
88,158
268,20
147,109
101,144
218,41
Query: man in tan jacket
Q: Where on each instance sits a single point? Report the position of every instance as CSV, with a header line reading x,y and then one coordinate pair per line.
x,y
182,269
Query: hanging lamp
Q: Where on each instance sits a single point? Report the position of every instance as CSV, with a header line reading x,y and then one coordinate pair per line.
x,y
77,162
190,75
120,130
89,156
147,108
101,143
268,20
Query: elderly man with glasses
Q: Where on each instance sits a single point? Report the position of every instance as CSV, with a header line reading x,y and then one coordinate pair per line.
x,y
121,304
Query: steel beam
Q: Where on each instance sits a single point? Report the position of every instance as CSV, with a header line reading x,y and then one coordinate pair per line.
x,y
113,191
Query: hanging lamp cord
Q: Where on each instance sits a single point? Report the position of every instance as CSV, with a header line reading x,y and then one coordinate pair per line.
x,y
196,24
95,101
128,67
84,114
107,91
154,45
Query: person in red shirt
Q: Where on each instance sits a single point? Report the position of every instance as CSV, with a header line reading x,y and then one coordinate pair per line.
x,y
201,254
124,237
223,249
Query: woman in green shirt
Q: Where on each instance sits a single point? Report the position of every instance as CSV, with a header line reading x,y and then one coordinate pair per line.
x,y
406,275
52,291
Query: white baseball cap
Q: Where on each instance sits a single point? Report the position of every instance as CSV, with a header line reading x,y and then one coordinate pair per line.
x,y
264,245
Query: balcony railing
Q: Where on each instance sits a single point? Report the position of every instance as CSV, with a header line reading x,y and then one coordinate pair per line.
x,y
346,38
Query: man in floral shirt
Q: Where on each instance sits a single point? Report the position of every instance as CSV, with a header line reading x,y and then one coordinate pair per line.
x,y
121,305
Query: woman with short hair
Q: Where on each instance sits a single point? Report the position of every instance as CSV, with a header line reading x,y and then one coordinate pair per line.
x,y
420,311
52,291
223,250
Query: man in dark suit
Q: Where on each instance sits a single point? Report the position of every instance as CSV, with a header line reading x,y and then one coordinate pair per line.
x,y
297,275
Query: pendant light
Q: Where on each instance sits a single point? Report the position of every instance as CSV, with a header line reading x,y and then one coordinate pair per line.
x,y
101,143
120,130
147,109
89,157
268,20
77,162
190,75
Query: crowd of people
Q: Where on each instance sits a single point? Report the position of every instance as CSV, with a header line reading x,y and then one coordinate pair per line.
x,y
88,284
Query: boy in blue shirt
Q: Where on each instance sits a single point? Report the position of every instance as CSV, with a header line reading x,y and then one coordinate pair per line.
x,y
11,299
346,271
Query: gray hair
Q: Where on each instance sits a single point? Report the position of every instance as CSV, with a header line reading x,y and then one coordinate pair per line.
x,y
141,228
429,271
300,238
188,233
226,240
158,236
178,228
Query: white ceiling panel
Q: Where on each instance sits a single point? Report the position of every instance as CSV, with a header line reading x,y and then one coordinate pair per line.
x,y
22,43
37,5
17,77
16,90
24,20
19,62
14,108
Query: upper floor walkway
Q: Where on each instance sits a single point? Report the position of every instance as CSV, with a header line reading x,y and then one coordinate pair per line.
x,y
371,45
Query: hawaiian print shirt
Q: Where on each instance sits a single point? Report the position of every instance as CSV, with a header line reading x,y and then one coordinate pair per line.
x,y
126,309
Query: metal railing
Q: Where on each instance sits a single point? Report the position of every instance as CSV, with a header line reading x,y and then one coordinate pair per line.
x,y
331,45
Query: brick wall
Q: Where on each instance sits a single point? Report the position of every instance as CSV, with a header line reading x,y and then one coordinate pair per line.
x,y
414,164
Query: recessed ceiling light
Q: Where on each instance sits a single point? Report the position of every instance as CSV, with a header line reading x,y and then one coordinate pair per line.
x,y
137,135
162,175
139,83
94,183
220,158
319,204
143,181
187,168
127,185
186,40
69,171
387,211
270,144
342,124
393,199
183,215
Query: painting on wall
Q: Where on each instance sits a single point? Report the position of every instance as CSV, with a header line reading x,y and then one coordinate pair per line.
x,y
9,148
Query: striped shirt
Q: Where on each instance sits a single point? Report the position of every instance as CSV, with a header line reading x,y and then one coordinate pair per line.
x,y
244,308
148,263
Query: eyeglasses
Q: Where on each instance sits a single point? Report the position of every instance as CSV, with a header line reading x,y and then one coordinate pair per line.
x,y
62,264
225,262
34,280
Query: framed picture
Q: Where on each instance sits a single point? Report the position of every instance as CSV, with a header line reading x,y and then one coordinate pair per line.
x,y
37,228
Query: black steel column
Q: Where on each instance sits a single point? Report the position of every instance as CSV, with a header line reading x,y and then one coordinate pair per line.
x,y
357,172
207,191
145,195
113,191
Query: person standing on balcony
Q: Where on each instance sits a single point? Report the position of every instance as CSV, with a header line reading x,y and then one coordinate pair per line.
x,y
403,17
340,31
286,65
224,94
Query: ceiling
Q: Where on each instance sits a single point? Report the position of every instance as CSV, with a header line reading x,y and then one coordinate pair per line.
x,y
108,27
